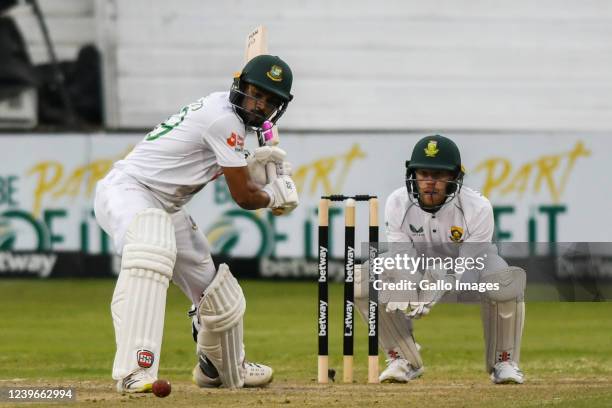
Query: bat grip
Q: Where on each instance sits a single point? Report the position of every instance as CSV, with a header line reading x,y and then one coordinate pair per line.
x,y
271,172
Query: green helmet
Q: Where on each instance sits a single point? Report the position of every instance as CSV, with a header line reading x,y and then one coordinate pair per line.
x,y
436,153
270,73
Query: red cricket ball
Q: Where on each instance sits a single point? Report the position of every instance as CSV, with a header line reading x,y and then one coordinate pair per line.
x,y
162,388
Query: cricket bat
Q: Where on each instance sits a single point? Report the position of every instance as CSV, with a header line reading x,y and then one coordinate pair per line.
x,y
257,44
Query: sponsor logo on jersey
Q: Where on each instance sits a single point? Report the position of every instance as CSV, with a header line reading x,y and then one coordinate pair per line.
x,y
456,234
418,231
145,358
236,141
275,73
432,149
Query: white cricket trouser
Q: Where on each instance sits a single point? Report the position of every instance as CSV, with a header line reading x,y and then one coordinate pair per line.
x,y
119,198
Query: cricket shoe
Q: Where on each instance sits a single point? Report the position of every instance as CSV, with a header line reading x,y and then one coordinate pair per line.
x,y
257,375
399,370
138,381
205,375
507,372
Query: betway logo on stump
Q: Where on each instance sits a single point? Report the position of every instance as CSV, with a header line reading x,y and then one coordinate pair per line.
x,y
27,264
350,264
372,319
322,318
348,320
322,264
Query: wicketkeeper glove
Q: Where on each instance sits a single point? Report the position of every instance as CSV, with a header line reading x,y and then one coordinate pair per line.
x,y
429,298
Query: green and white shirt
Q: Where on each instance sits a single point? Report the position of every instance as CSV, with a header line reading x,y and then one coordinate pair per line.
x,y
186,152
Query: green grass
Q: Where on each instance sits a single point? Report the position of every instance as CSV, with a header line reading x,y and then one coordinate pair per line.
x,y
60,332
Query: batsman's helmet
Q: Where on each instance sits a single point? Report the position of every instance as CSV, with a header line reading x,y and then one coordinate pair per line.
x,y
435,153
270,74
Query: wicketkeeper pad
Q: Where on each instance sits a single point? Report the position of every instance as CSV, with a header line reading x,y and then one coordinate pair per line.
x,y
221,310
139,301
394,328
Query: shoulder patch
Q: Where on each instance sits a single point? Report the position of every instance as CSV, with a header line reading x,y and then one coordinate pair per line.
x,y
236,141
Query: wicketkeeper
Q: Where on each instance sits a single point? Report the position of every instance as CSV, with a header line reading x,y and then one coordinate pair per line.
x,y
434,208
140,204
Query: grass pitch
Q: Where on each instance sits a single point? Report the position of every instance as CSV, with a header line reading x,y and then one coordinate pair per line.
x,y
59,333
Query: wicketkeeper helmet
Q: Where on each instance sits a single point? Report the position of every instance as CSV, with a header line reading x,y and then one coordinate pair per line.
x,y
435,153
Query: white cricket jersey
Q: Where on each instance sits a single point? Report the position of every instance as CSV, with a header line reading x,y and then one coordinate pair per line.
x,y
467,218
186,152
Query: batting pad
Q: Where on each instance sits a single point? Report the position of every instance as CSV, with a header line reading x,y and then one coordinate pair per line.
x,y
503,329
394,333
220,338
139,301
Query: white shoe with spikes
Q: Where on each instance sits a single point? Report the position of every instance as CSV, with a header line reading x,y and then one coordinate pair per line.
x,y
138,381
507,372
399,370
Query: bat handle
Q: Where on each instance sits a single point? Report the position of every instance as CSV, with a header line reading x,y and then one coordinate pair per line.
x,y
271,172
266,136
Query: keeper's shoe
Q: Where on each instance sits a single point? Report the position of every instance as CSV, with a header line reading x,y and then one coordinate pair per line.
x,y
507,372
399,370
205,375
138,381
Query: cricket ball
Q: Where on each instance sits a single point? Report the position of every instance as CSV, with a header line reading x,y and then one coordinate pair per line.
x,y
162,388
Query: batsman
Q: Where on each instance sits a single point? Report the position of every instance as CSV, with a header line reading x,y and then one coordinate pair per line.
x,y
141,205
435,210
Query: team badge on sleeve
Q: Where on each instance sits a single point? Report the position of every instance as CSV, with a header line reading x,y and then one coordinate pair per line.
x,y
236,141
456,234
145,358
